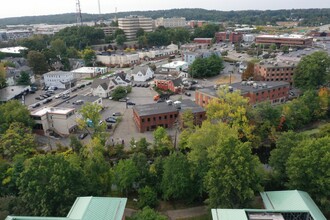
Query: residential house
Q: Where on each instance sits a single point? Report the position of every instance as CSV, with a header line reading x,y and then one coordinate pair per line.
x,y
121,79
13,92
59,79
142,73
102,87
278,205
88,208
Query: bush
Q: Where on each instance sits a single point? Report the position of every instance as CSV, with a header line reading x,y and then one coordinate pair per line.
x,y
121,92
147,197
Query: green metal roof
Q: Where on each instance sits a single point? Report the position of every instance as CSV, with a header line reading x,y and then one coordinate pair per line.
x,y
88,208
275,202
232,214
291,200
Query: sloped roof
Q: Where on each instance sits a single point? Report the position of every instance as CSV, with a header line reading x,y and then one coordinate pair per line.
x,y
88,208
142,69
100,82
232,214
177,82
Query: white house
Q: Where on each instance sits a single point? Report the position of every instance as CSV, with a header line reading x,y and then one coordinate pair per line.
x,y
60,79
142,73
175,66
102,88
121,60
89,72
121,79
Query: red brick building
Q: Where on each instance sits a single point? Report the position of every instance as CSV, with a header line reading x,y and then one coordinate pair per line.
x,y
150,116
233,37
275,92
203,40
276,71
174,85
287,40
194,24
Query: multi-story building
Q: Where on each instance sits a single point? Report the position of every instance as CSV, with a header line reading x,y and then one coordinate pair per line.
x,y
61,121
173,84
200,40
194,24
171,22
166,114
155,54
59,79
275,71
191,56
275,92
89,72
233,37
192,47
108,30
131,24
121,60
293,40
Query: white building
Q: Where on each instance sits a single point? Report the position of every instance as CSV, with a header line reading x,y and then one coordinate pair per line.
x,y
60,79
142,73
160,53
102,88
122,60
61,121
248,37
89,72
13,50
131,24
171,22
175,66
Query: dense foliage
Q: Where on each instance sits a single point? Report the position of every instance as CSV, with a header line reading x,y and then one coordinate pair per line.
x,y
206,67
309,17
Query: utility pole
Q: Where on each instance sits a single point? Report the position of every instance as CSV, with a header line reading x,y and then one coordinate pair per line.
x,y
78,13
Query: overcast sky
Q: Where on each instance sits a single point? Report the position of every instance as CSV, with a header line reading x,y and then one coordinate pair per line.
x,y
16,8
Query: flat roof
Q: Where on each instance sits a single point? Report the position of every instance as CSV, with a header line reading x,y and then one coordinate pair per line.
x,y
174,64
277,64
87,69
10,92
55,110
269,84
57,72
286,36
14,50
163,107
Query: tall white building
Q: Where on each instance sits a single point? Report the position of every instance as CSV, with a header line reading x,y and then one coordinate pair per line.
x,y
171,22
131,24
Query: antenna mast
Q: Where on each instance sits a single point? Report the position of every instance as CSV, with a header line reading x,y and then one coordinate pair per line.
x,y
99,7
78,13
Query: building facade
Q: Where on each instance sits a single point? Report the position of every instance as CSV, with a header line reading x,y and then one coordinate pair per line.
x,y
273,92
142,74
60,79
233,37
121,60
131,24
174,66
199,40
171,22
166,114
276,71
285,40
173,84
89,72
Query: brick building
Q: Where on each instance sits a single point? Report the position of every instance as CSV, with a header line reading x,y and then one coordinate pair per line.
x,y
173,84
233,37
276,71
276,92
286,39
149,116
203,40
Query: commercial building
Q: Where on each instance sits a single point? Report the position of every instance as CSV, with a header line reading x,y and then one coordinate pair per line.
x,y
200,40
233,37
274,92
275,71
191,56
293,40
174,66
121,60
59,79
165,114
278,205
168,83
97,208
194,23
54,120
13,92
89,72
248,38
108,30
171,22
131,24
156,54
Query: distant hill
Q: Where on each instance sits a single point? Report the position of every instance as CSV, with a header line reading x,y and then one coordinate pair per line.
x,y
307,17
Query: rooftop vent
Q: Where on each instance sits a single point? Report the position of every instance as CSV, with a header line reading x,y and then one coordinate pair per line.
x,y
255,85
177,104
169,102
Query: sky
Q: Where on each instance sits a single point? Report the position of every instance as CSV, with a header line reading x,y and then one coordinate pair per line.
x,y
17,8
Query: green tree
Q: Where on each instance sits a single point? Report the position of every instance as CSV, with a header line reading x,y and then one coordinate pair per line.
x,y
49,185
176,182
58,45
141,162
118,32
36,42
148,214
162,141
140,32
120,92
14,111
142,41
158,38
206,67
89,56
249,72
187,123
3,82
90,120
231,161
147,197
37,61
72,52
312,71
24,79
308,169
125,175
17,139
120,39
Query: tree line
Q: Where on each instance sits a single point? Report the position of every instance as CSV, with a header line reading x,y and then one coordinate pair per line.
x,y
305,17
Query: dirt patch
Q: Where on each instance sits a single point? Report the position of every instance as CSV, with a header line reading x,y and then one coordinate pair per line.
x,y
226,80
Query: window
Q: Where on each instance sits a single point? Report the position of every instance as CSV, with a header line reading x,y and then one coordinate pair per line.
x,y
160,117
148,119
171,116
154,118
142,120
165,117
175,115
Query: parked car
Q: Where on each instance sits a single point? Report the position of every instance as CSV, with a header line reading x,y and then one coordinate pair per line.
x,y
35,105
187,93
39,98
130,103
82,136
89,83
50,91
116,114
123,100
111,120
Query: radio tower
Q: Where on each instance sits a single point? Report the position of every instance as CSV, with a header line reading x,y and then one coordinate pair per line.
x,y
99,7
78,13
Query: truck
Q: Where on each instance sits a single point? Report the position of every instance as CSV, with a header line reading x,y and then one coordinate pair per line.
x,y
163,96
